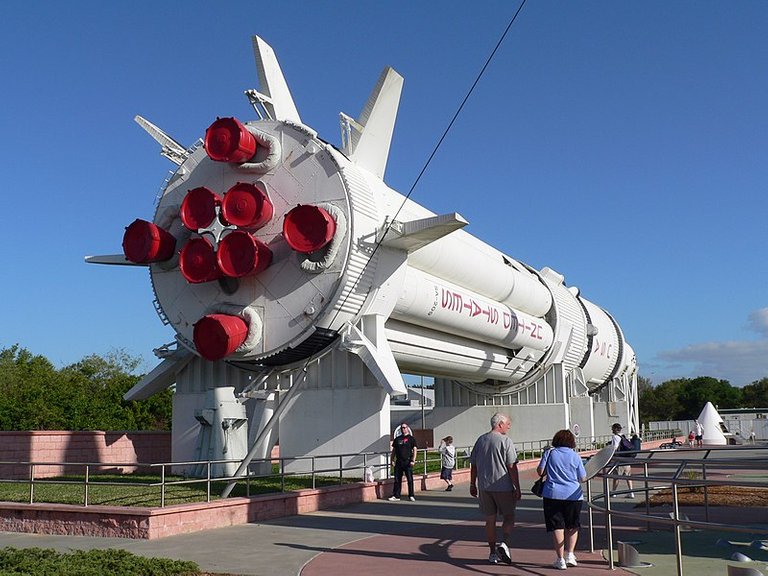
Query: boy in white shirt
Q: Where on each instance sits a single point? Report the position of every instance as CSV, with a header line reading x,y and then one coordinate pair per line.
x,y
447,461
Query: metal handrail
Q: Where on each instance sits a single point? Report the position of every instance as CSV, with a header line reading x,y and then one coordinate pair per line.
x,y
648,482
427,456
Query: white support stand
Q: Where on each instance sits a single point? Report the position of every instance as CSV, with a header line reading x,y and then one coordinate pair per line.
x,y
340,409
208,390
261,406
223,432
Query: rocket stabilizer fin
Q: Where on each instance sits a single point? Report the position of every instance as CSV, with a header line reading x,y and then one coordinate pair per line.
x,y
275,95
415,234
378,359
161,377
112,259
368,139
171,149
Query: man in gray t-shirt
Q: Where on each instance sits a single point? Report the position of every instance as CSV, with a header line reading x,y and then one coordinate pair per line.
x,y
494,480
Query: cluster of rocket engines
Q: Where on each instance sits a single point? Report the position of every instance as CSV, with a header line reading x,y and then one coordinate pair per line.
x,y
270,245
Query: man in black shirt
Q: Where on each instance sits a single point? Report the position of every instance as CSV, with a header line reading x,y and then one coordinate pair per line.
x,y
404,457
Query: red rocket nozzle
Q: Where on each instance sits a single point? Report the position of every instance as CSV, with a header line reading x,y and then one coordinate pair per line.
x,y
216,336
227,140
308,228
240,254
198,261
198,209
144,242
247,205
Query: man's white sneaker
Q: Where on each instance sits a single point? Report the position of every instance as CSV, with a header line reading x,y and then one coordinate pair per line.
x,y
570,559
493,558
560,564
502,551
630,495
393,498
411,498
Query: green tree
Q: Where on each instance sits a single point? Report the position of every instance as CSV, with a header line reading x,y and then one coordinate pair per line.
x,y
755,395
24,403
695,393
659,402
87,395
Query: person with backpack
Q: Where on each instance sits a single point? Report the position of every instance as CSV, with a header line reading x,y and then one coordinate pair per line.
x,y
622,444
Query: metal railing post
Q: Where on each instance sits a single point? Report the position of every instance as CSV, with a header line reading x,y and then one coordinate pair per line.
x,y
85,487
341,469
647,496
676,518
31,483
208,481
706,494
282,474
162,486
314,468
608,521
591,517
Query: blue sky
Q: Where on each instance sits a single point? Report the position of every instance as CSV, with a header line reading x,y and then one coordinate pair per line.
x,y
623,144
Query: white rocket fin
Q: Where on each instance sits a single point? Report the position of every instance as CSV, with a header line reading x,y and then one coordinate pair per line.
x,y
274,95
415,234
171,149
113,259
367,140
161,377
377,358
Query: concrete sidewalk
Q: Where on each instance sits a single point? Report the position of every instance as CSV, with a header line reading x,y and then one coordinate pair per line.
x,y
439,534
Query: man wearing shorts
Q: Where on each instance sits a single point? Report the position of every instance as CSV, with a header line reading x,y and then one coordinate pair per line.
x,y
699,436
626,470
495,482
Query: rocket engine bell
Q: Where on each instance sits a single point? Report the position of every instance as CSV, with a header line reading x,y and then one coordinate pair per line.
x,y
270,245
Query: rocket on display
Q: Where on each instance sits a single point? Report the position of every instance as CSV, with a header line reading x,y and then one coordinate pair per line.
x,y
269,246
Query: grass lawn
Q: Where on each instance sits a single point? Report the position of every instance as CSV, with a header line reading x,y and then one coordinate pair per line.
x,y
137,490
143,490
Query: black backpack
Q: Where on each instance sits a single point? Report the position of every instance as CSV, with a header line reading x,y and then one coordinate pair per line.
x,y
625,445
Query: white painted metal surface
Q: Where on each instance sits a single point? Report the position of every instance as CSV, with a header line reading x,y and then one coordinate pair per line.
x,y
399,287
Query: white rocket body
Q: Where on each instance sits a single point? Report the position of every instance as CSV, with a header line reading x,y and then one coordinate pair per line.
x,y
442,302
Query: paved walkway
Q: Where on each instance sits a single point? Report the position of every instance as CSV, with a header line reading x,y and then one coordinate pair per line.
x,y
439,534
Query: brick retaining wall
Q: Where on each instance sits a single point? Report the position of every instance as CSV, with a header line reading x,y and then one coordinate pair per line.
x,y
93,446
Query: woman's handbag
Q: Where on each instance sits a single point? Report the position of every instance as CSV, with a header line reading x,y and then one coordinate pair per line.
x,y
538,487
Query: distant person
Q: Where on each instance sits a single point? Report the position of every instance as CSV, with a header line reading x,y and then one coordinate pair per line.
x,y
563,496
637,442
495,482
691,438
404,457
752,436
447,461
699,433
625,470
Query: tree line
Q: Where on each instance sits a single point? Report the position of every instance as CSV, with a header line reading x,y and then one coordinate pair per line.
x,y
87,395
683,398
